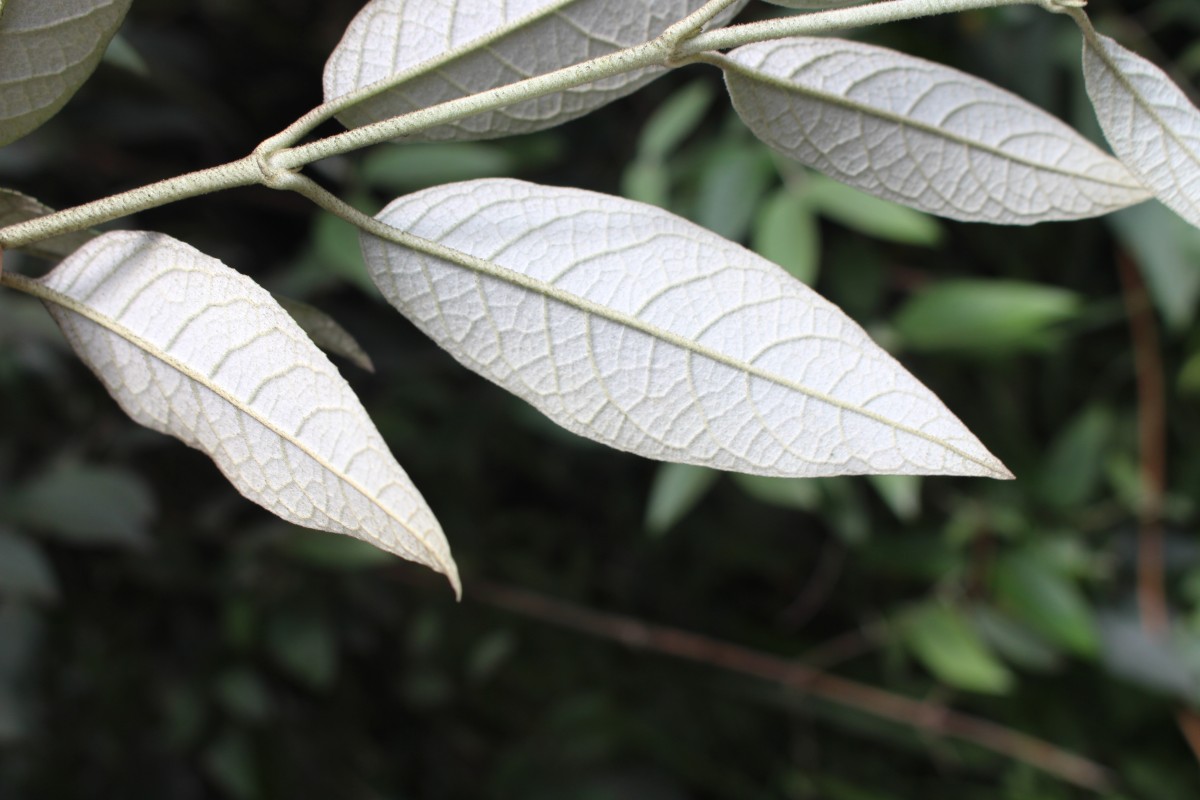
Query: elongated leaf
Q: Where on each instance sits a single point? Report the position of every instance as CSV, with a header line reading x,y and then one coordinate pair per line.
x,y
921,134
439,50
189,347
631,326
326,332
941,636
16,207
1149,122
48,48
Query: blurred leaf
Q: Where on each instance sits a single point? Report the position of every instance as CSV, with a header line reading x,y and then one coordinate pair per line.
x,y
1013,641
1046,600
1071,472
88,505
24,569
732,184
302,643
243,694
12,722
676,490
901,493
325,332
20,635
984,317
1188,381
123,55
787,233
675,120
1167,250
400,168
338,553
229,763
799,493
335,249
1129,652
942,638
647,182
489,654
870,215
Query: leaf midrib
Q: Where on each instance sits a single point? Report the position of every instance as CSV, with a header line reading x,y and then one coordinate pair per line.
x,y
67,302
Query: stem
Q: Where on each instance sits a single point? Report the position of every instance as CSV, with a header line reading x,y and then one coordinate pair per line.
x,y
839,19
272,158
648,54
917,714
243,172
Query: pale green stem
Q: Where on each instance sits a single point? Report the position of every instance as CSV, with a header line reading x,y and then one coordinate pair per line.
x,y
270,166
842,18
243,172
648,54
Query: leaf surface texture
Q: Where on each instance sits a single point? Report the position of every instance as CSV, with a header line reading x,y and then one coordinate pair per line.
x,y
439,50
48,48
631,326
189,347
1149,122
922,134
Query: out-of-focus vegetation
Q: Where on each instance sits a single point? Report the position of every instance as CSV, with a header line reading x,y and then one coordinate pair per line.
x,y
162,637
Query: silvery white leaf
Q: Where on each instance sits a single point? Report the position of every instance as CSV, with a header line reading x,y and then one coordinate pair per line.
x,y
189,347
439,50
1149,122
48,48
922,134
813,5
631,326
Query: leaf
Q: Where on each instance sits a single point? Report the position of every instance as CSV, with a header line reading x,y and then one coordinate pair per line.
x,y
49,47
795,493
1148,120
88,505
432,51
1046,600
942,638
733,182
871,215
816,4
24,569
675,120
326,332
676,490
633,327
191,348
984,316
1167,250
787,233
921,134
16,207
303,644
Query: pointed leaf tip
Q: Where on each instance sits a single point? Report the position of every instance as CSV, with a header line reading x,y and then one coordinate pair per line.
x,y
636,328
921,134
189,347
1148,120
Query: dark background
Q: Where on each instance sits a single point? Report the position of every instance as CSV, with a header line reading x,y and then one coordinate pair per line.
x,y
162,637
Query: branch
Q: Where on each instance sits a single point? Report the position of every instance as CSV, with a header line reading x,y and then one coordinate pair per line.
x,y
921,715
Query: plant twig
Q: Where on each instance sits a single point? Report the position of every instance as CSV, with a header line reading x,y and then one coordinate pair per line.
x,y
1153,607
922,715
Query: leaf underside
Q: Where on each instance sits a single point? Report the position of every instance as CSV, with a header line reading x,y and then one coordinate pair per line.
x,y
641,330
48,48
191,348
439,50
922,134
1149,122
